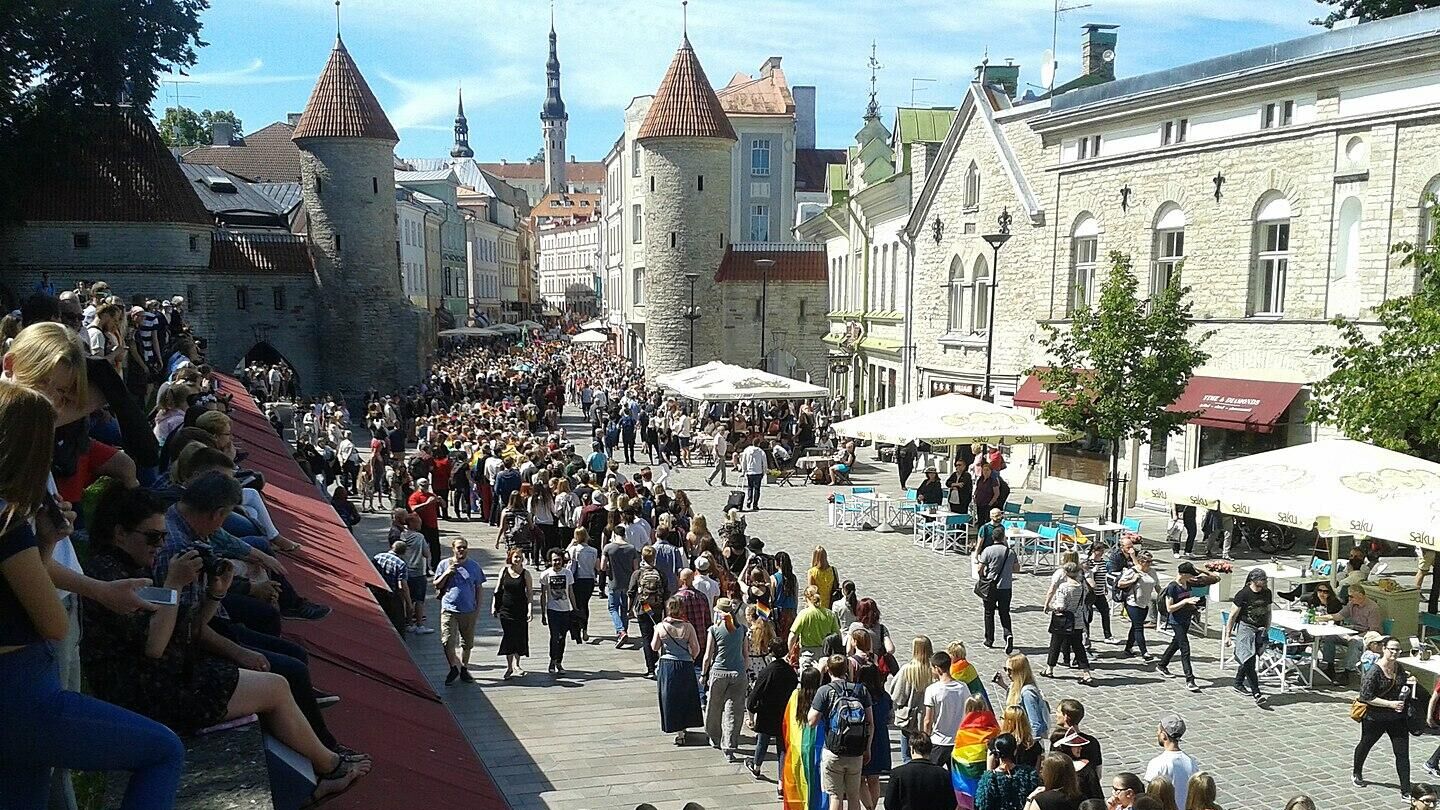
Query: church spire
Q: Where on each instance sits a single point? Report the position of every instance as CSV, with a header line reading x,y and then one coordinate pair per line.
x,y
554,106
462,129
553,118
872,110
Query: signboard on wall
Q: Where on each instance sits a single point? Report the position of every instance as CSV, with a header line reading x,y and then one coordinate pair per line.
x,y
941,387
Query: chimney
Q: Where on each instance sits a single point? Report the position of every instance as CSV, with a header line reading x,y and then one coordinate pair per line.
x,y
771,65
221,133
1006,77
1097,51
804,116
293,119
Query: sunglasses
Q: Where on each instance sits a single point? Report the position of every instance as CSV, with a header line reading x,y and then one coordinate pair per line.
x,y
154,537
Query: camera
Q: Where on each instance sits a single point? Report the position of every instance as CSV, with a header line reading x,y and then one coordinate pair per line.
x,y
211,564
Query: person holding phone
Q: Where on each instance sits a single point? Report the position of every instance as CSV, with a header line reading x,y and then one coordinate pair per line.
x,y
457,583
1384,691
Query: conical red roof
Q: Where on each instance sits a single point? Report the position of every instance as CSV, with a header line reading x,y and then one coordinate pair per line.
x,y
342,105
686,106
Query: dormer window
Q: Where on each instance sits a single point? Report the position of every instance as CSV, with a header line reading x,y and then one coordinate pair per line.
x,y
1172,132
1277,114
1089,147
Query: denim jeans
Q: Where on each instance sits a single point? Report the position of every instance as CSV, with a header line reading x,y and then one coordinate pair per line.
x,y
1136,639
752,490
646,621
47,727
619,609
1179,643
762,745
559,621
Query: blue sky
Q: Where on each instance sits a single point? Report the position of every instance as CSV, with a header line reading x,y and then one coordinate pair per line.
x,y
264,55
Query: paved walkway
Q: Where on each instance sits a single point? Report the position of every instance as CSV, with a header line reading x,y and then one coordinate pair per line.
x,y
591,738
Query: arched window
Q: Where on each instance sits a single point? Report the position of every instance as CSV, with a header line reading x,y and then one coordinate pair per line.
x,y
980,296
1427,210
1272,255
972,186
957,295
1169,249
1084,247
1347,238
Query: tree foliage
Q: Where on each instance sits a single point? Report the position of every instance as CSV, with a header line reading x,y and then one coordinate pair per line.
x,y
1387,390
1122,364
1367,10
182,126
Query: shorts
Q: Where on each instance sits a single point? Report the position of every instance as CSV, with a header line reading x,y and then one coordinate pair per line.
x,y
417,588
458,630
844,468
840,775
684,441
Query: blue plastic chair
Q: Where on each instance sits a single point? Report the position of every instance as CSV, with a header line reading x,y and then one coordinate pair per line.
x,y
1131,524
862,490
952,536
1071,511
1012,508
1037,519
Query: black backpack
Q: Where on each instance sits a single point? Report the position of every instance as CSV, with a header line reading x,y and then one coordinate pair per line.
x,y
849,734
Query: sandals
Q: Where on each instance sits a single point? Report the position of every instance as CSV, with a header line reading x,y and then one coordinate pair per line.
x,y
337,781
1047,673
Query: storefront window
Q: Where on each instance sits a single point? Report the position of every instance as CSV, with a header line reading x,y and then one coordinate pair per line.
x,y
1218,444
1086,461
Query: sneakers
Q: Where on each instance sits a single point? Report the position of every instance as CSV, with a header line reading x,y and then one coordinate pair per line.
x,y
466,676
1147,657
453,676
1261,700
551,668
421,630
1357,780
1164,671
620,639
752,767
323,699
307,612
1241,690
1433,770
1193,686
559,670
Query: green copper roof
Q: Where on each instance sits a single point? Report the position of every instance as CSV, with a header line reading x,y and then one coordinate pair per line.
x,y
928,124
835,177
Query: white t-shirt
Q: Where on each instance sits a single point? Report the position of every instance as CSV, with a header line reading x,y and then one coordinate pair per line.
x,y
554,586
637,534
947,698
1177,766
704,584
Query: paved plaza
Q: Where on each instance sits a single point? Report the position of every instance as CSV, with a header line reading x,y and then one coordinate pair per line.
x,y
591,738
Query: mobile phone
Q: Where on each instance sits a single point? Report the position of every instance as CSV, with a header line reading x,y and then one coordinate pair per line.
x,y
159,596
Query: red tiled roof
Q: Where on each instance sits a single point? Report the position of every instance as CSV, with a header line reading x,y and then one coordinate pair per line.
x,y
686,106
811,166
585,171
793,263
387,708
769,94
117,170
260,253
342,105
267,155
582,206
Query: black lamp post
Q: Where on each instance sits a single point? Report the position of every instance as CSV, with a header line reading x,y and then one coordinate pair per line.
x,y
996,241
692,314
764,265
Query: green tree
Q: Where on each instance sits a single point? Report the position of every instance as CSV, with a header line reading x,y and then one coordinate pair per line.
x,y
182,126
1367,10
1121,365
1387,390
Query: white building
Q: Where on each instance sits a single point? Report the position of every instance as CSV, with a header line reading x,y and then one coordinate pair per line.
x,y
570,266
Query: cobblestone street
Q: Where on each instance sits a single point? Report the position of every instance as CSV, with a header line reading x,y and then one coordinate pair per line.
x,y
591,738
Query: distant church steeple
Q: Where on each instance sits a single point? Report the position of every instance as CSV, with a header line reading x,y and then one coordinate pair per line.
x,y
553,118
462,129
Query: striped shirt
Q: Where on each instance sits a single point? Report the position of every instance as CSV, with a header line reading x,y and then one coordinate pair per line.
x,y
392,568
149,329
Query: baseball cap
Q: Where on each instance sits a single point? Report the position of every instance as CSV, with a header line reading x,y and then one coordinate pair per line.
x,y
702,564
1374,637
1173,725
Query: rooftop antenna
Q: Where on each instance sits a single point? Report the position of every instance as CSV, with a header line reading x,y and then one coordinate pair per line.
x,y
984,65
1055,39
915,83
872,110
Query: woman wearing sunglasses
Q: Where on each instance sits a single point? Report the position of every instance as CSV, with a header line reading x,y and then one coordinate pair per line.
x,y
1384,691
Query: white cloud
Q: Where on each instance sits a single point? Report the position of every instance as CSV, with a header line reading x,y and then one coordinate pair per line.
x,y
248,75
430,103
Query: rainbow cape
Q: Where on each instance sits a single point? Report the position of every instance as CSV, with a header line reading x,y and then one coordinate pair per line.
x,y
967,763
800,783
964,672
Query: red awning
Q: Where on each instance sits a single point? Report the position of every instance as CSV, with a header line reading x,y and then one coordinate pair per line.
x,y
1224,402
387,708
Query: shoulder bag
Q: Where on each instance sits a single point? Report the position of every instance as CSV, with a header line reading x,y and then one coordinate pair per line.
x,y
1359,709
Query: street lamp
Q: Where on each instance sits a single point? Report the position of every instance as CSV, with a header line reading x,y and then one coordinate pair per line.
x,y
692,314
996,241
764,265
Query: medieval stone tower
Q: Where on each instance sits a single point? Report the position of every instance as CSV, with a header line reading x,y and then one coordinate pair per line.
x,y
687,142
369,336
553,120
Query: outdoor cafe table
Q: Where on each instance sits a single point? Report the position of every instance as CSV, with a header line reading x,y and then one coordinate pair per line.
x,y
1293,622
1100,529
1427,672
811,462
878,509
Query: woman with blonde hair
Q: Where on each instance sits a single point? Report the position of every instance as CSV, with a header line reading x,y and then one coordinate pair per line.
x,y
907,691
1025,693
699,531
171,407
1028,750
1162,790
810,629
217,424
49,358
758,642
823,576
1201,792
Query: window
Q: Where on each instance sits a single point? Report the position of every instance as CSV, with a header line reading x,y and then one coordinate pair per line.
x,y
674,239
881,277
375,185
972,186
980,296
637,287
1089,147
1277,114
635,159
1272,256
760,157
652,182
337,243
802,309
278,295
1427,210
894,272
194,243
242,297
1174,131
700,183
317,184
1084,245
957,295
637,224
1169,250
80,239
759,223
1347,242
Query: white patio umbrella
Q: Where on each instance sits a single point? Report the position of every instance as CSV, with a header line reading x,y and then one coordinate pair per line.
x,y
949,419
507,328
1333,484
528,324
469,331
722,382
590,337
595,324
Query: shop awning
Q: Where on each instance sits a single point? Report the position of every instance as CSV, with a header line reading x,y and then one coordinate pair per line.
x,y
948,420
1222,402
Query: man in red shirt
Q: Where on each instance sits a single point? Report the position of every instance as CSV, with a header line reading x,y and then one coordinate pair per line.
x,y
424,503
440,479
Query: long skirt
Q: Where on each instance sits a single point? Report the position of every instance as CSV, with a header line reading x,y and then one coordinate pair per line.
x,y
679,695
514,637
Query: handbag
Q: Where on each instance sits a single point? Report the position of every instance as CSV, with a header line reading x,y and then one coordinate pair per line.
x,y
1062,621
1358,710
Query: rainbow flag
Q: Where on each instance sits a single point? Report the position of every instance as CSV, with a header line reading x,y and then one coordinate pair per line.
x,y
964,672
967,763
800,783
762,609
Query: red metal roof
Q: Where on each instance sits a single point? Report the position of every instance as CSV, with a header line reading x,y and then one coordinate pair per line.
x,y
793,263
387,708
116,170
342,105
686,106
259,253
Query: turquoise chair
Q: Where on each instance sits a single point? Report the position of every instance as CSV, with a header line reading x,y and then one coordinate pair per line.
x,y
862,490
1037,519
1012,508
847,512
1131,525
1071,513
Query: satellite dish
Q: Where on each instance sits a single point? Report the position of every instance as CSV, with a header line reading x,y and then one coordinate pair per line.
x,y
1108,56
1047,69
